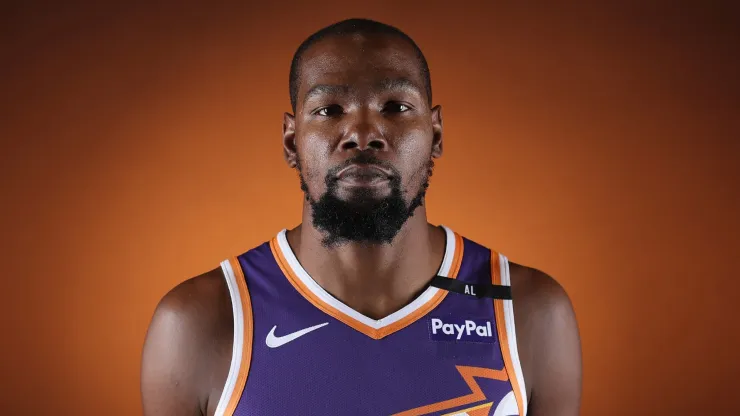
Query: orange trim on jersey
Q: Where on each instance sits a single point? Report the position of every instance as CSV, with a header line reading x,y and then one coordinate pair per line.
x,y
469,374
352,322
246,358
498,305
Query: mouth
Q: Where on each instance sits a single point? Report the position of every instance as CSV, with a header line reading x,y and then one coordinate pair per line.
x,y
364,175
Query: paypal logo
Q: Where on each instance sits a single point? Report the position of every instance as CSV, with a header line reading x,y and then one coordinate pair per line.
x,y
459,329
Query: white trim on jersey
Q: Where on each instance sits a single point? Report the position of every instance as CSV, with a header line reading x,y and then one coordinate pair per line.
x,y
507,406
322,294
511,331
236,354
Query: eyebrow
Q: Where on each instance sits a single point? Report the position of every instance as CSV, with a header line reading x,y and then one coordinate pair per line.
x,y
326,89
398,84
387,84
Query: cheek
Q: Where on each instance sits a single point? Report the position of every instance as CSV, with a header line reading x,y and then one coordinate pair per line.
x,y
314,145
415,137
313,152
413,155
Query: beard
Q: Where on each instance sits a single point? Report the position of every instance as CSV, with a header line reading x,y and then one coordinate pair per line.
x,y
364,218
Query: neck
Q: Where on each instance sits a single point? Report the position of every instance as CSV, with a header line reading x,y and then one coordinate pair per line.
x,y
373,279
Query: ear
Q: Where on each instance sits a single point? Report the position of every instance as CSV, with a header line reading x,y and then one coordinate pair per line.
x,y
289,148
437,131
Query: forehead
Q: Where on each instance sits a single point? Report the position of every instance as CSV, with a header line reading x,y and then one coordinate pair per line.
x,y
358,59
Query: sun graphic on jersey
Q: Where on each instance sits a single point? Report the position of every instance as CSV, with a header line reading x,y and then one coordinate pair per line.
x,y
506,407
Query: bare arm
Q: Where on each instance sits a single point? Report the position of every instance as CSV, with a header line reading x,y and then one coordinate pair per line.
x,y
184,361
168,370
556,351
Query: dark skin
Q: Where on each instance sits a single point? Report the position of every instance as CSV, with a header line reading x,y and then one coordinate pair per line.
x,y
365,95
376,102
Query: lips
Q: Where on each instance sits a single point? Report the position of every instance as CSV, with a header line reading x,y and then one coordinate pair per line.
x,y
364,171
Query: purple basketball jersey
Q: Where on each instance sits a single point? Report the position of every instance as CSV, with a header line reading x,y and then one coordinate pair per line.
x,y
300,351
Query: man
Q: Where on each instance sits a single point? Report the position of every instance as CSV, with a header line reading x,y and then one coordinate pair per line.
x,y
364,308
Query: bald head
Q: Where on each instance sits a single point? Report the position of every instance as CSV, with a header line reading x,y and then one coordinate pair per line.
x,y
361,28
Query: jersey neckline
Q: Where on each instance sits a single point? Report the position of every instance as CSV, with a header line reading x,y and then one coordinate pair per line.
x,y
374,328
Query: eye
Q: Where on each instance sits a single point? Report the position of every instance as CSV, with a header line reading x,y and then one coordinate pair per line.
x,y
329,111
395,107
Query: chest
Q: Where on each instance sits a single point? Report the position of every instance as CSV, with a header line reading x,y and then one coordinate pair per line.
x,y
305,361
310,354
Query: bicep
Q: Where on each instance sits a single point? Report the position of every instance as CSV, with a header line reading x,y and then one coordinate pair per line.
x,y
168,370
557,380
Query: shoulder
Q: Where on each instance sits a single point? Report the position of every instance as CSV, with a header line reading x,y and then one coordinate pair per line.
x,y
186,354
548,340
542,308
539,294
198,301
199,306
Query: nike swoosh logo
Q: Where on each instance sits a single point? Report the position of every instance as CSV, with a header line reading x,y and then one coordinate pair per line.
x,y
273,342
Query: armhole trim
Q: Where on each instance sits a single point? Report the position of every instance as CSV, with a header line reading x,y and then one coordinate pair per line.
x,y
241,352
504,311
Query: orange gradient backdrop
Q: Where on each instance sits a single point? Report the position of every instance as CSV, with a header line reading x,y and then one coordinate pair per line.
x,y
141,145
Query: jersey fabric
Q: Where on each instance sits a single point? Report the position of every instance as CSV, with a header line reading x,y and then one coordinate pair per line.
x,y
299,351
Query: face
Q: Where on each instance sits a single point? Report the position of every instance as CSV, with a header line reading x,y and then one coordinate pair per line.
x,y
363,137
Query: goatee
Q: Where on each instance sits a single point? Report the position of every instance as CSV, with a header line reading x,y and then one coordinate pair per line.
x,y
363,218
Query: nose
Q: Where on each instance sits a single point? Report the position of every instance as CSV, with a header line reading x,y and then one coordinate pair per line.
x,y
363,134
